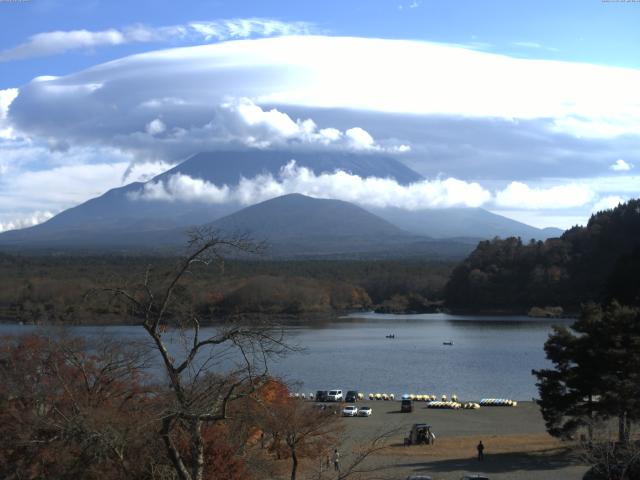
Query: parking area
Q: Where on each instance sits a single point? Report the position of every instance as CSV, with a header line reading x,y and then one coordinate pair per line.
x,y
516,443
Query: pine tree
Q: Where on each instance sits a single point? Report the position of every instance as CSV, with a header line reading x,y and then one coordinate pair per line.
x,y
596,372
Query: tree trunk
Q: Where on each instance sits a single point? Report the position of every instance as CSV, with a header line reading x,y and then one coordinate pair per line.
x,y
172,451
197,450
294,457
294,466
622,427
628,428
590,426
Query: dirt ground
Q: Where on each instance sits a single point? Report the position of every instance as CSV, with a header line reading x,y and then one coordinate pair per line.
x,y
516,443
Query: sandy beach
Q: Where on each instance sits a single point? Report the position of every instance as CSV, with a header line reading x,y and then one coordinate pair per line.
x,y
516,443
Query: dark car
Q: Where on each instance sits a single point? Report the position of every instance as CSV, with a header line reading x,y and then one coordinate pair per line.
x,y
351,397
406,405
321,395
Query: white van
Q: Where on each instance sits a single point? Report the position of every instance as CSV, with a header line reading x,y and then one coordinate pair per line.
x,y
334,396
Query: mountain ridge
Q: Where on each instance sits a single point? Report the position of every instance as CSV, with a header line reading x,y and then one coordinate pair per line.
x,y
123,217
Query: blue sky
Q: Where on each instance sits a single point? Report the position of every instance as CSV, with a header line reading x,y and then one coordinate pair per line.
x,y
521,136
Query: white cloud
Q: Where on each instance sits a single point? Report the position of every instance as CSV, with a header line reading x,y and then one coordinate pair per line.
x,y
144,171
378,75
520,195
25,221
155,127
34,179
52,43
359,138
184,188
7,96
241,121
607,203
62,186
376,192
621,166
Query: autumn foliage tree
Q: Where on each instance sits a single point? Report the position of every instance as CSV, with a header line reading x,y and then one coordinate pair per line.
x,y
68,413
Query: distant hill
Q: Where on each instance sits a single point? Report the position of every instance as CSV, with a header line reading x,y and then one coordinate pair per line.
x,y
296,225
475,223
598,262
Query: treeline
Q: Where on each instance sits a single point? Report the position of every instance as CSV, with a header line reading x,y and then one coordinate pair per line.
x,y
62,289
599,262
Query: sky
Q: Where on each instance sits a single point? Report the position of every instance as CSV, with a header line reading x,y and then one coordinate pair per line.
x,y
527,109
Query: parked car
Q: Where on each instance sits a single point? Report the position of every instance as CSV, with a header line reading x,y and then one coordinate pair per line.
x,y
419,477
334,396
350,411
351,396
475,476
321,396
365,411
406,405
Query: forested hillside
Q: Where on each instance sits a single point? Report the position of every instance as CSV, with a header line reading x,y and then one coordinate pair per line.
x,y
55,289
598,262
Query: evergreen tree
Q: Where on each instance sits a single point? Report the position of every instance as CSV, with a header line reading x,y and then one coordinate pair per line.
x,y
596,372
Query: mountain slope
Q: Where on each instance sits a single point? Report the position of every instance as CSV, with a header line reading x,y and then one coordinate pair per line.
x,y
295,225
119,216
462,223
297,216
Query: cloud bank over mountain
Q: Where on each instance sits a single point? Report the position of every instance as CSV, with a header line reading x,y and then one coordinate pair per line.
x,y
372,191
368,191
504,132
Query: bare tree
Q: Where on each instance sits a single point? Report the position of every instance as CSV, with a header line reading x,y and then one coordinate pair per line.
x,y
610,459
216,368
299,429
358,467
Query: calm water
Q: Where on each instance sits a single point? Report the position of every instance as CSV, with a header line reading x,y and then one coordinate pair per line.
x,y
490,356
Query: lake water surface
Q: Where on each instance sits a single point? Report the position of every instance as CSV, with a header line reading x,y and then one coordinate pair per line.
x,y
490,356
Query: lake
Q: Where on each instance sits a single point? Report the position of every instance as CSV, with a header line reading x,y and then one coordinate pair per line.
x,y
491,356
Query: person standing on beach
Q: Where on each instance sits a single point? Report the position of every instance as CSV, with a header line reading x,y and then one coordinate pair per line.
x,y
336,460
480,449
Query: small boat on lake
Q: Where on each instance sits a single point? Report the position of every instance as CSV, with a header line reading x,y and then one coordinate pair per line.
x,y
450,343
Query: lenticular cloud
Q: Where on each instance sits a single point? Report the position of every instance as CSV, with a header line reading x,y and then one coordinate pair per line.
x,y
370,191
